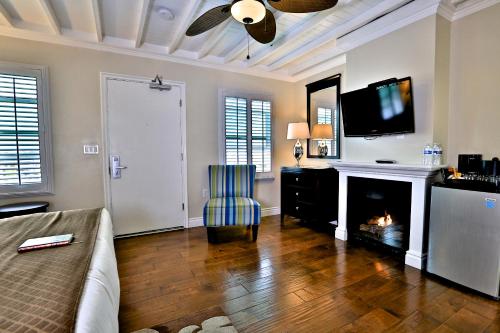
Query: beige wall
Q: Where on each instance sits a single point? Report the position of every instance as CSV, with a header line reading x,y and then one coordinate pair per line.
x,y
442,84
474,85
409,51
75,101
420,50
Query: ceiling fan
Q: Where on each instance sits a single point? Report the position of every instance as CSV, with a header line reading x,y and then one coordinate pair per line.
x,y
258,20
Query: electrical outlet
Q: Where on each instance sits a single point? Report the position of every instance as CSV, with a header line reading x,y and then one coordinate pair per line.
x,y
204,193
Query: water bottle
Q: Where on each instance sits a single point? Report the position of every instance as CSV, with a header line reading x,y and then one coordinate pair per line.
x,y
427,159
437,154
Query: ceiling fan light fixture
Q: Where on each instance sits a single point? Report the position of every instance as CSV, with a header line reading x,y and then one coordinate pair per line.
x,y
248,11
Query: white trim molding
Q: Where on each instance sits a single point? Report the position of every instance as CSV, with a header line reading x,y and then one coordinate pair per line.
x,y
271,211
463,8
195,222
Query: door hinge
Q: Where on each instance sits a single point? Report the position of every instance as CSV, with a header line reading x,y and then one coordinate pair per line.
x,y
182,156
182,206
180,102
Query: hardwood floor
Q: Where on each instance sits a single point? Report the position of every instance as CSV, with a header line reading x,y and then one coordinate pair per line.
x,y
294,279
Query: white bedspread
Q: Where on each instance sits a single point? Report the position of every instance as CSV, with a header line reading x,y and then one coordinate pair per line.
x,y
100,301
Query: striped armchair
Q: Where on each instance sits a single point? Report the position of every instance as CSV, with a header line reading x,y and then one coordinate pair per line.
x,y
231,199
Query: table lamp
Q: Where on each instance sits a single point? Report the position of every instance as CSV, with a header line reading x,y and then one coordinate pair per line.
x,y
322,133
298,131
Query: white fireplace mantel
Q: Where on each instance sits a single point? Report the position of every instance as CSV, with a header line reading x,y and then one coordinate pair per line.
x,y
421,178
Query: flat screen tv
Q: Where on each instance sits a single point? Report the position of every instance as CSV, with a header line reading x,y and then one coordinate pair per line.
x,y
379,109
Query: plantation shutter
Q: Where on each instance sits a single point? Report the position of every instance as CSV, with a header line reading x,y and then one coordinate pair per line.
x,y
236,130
20,162
261,135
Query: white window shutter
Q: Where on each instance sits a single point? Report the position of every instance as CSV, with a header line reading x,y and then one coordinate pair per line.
x,y
236,130
20,162
261,135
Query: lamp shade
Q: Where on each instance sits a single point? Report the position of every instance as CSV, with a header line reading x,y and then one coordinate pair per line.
x,y
298,131
248,11
322,132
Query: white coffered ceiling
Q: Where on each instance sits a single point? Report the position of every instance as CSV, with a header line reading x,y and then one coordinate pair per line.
x,y
304,44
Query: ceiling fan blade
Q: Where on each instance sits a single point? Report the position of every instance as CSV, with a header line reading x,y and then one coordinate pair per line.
x,y
208,20
302,6
265,30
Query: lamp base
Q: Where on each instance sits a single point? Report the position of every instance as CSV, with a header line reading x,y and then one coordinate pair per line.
x,y
298,152
323,149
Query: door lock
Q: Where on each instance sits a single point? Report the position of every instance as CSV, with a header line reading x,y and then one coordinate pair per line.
x,y
116,168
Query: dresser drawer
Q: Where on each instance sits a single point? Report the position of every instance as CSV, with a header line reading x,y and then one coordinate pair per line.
x,y
299,194
299,179
302,210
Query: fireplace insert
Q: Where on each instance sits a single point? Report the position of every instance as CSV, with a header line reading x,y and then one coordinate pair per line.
x,y
379,212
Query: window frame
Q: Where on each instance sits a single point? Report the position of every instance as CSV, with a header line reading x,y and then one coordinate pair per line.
x,y
46,187
249,96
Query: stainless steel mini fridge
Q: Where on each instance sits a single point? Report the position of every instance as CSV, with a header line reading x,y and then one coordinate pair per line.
x,y
464,237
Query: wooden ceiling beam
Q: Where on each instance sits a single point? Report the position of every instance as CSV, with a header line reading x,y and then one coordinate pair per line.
x,y
51,16
96,11
4,14
143,21
187,19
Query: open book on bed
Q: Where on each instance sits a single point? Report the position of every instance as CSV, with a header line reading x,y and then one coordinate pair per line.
x,y
45,242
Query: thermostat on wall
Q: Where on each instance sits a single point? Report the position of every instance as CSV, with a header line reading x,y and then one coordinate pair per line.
x,y
90,149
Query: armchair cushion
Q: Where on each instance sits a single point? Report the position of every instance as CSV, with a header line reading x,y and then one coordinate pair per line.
x,y
237,211
231,180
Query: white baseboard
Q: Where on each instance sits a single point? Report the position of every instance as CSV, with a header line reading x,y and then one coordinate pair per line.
x,y
194,222
271,211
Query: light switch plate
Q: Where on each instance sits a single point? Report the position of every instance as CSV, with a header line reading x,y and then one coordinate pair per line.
x,y
90,149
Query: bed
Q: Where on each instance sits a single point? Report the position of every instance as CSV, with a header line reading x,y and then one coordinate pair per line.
x,y
70,289
100,300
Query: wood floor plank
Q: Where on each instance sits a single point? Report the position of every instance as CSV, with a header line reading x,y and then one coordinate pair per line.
x,y
374,321
465,321
293,279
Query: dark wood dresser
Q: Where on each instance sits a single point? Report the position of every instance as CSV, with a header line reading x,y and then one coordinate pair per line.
x,y
310,194
23,208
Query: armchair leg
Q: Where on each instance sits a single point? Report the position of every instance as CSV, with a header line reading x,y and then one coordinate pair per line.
x,y
211,235
255,230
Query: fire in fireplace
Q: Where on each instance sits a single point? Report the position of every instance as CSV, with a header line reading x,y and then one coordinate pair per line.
x,y
378,212
382,221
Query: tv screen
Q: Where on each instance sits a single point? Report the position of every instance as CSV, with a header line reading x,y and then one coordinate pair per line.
x,y
380,109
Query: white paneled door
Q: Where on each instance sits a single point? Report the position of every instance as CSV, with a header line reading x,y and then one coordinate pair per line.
x,y
145,171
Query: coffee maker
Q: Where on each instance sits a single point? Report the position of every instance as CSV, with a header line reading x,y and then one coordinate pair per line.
x,y
473,167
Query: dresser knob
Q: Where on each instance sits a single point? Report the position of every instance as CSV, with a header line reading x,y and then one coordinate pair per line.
x,y
297,208
297,194
297,179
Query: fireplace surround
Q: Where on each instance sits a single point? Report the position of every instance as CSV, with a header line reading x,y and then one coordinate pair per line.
x,y
419,176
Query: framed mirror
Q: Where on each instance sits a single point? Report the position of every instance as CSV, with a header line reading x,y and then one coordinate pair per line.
x,y
323,109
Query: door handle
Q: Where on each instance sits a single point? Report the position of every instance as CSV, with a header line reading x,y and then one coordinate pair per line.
x,y
115,167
